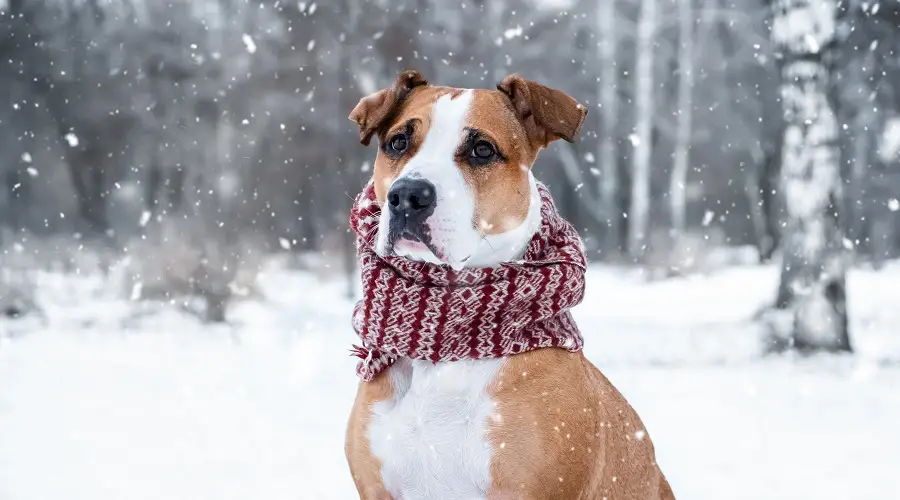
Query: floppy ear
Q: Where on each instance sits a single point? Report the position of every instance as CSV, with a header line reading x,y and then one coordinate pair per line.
x,y
555,114
374,111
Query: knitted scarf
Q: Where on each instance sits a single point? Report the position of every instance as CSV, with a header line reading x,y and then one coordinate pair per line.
x,y
431,312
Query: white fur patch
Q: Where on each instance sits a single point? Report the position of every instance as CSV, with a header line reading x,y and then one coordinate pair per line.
x,y
431,437
504,247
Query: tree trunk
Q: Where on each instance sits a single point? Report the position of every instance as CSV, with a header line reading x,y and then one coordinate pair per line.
x,y
813,288
494,13
768,182
883,179
678,180
607,156
859,143
639,216
87,173
349,176
753,174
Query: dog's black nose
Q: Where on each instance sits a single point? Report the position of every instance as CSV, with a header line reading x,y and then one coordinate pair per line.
x,y
412,198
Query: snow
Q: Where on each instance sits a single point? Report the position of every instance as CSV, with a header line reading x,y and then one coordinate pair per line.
x,y
146,215
105,398
511,33
889,148
806,27
634,139
249,44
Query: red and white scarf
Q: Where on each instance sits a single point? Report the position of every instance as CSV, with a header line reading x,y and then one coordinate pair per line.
x,y
431,312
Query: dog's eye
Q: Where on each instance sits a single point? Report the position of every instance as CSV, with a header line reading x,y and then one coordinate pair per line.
x,y
482,153
397,145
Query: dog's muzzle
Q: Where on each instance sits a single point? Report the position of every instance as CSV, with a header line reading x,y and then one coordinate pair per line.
x,y
410,201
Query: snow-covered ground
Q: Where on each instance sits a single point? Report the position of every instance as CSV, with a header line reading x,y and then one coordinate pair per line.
x,y
107,399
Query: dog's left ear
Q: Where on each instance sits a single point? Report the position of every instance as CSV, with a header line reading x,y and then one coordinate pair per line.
x,y
555,115
373,111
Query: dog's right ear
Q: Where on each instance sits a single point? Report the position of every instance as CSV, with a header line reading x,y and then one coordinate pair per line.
x,y
373,111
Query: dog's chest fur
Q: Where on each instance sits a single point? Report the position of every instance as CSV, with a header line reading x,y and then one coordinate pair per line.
x,y
431,436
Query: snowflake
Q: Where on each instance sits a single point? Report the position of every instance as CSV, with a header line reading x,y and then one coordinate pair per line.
x,y
249,43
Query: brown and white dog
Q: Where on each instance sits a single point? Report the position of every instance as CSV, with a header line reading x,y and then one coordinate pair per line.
x,y
538,425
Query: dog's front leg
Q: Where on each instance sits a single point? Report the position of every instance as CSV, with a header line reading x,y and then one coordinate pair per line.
x,y
364,466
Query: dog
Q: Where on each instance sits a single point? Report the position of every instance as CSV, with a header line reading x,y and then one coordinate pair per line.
x,y
453,175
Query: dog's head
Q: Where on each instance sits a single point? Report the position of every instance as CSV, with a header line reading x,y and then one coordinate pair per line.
x,y
453,171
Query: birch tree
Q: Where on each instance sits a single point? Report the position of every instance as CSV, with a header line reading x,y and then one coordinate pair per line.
x,y
607,96
642,137
813,283
678,180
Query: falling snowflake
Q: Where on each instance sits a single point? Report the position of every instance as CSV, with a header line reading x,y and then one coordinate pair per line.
x,y
812,44
589,157
145,218
708,217
635,140
513,33
32,171
26,157
249,43
284,243
893,204
72,139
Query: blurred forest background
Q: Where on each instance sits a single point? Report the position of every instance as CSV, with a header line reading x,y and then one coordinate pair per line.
x,y
193,137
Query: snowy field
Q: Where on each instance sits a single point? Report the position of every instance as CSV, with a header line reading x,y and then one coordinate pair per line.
x,y
109,400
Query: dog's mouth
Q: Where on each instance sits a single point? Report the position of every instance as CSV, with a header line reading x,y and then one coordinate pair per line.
x,y
409,243
415,242
412,243
413,248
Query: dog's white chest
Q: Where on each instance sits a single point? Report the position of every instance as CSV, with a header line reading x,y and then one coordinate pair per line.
x,y
431,437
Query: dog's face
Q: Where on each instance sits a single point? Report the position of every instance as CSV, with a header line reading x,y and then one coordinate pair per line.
x,y
452,172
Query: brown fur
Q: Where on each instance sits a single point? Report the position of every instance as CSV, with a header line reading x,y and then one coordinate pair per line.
x,y
364,467
557,413
561,430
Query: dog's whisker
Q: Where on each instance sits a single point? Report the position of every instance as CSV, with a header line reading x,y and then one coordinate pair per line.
x,y
486,240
